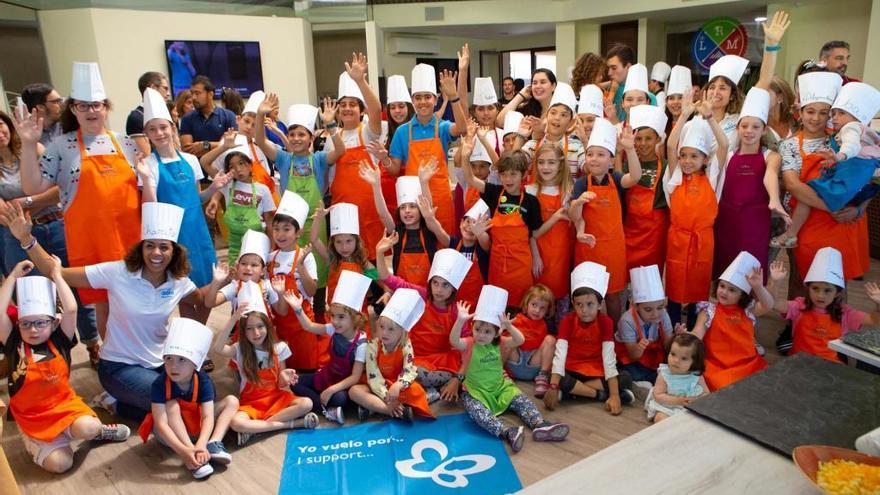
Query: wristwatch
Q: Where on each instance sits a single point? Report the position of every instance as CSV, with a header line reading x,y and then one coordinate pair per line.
x,y
28,201
206,145
460,376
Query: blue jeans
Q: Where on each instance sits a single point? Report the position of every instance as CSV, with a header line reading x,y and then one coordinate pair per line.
x,y
639,372
130,385
51,238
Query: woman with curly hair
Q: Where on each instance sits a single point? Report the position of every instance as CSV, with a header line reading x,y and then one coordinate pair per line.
x,y
589,69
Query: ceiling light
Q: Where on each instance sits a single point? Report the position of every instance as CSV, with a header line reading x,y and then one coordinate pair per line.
x,y
760,19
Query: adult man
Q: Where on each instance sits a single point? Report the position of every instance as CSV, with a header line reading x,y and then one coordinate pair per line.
x,y
202,129
835,54
508,90
48,105
618,60
134,125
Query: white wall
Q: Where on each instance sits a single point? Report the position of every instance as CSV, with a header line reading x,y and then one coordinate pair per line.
x,y
127,43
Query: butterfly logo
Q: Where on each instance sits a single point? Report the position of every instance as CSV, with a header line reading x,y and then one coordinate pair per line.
x,y
442,474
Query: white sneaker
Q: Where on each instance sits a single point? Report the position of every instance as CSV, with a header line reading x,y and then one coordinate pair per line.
x,y
641,389
203,471
335,414
760,349
106,402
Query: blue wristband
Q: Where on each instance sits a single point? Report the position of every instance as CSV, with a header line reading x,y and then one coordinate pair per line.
x,y
772,48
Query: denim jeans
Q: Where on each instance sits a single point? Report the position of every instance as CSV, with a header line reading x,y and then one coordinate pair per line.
x,y
130,385
51,238
639,372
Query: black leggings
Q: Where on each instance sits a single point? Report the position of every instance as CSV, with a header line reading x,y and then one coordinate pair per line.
x,y
305,387
571,378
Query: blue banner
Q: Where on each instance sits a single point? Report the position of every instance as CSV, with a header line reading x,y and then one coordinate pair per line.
x,y
450,455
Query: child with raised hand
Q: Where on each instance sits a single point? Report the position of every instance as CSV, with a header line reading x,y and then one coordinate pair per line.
x,y
436,361
822,316
477,150
328,387
727,325
184,415
596,207
474,243
560,120
46,409
584,364
488,393
391,388
346,250
265,400
532,359
680,381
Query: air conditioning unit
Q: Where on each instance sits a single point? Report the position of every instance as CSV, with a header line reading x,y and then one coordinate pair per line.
x,y
409,45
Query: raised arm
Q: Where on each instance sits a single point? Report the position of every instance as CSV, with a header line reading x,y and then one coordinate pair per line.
x,y
777,275
68,302
148,189
687,109
328,116
6,290
490,150
370,174
385,243
357,69
464,65
773,32
520,98
765,298
450,92
318,245
267,106
227,142
467,147
516,337
464,315
220,347
428,212
30,128
295,302
213,296
627,141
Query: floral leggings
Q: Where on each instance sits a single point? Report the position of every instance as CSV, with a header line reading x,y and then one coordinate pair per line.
x,y
521,405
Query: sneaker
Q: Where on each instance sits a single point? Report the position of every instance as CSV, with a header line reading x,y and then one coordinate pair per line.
x,y
363,413
203,471
760,349
113,432
310,421
106,402
641,389
94,354
408,413
627,397
601,396
541,385
433,395
549,432
218,452
243,438
515,437
335,414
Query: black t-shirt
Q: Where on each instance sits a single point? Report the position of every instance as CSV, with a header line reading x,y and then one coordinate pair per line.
x,y
468,252
15,354
581,185
134,125
411,242
530,209
649,175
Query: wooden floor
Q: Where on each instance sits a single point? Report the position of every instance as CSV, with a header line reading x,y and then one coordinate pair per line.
x,y
134,467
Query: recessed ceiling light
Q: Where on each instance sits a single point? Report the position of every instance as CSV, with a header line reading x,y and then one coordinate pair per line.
x,y
760,19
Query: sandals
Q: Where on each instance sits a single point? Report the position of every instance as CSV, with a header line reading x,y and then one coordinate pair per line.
x,y
783,241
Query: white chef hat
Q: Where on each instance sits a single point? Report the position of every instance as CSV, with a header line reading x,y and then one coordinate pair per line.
x,y
424,79
590,275
564,95
293,206
396,90
818,87
160,221
86,83
251,294
479,209
604,134
660,71
451,266
511,122
254,102
739,269
696,134
155,106
757,104
648,116
730,66
35,296
408,189
188,339
351,290
827,266
861,100
479,154
636,79
592,101
647,284
405,308
679,81
348,88
491,304
344,219
484,91
303,115
254,242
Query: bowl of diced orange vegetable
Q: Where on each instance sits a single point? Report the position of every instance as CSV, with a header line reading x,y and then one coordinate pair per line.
x,y
838,471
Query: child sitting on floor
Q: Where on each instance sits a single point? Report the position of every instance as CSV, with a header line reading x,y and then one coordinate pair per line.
x,y
532,359
680,381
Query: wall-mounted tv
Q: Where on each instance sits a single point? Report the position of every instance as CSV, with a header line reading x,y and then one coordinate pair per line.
x,y
229,64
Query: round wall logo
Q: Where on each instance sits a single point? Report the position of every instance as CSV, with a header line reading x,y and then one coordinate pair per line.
x,y
718,37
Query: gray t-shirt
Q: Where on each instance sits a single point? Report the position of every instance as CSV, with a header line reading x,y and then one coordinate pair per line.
x,y
10,188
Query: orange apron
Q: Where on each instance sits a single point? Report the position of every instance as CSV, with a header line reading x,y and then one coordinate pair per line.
x,y
645,227
333,276
348,187
730,347
45,405
691,241
264,400
306,344
510,258
190,411
555,247
821,230
414,267
653,355
106,201
532,174
585,348
259,174
420,151
534,331
604,219
430,340
391,365
812,333
473,282
471,198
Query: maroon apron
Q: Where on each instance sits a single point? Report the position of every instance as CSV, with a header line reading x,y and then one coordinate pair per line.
x,y
339,367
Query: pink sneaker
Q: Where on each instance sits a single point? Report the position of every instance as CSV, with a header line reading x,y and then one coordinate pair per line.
x,y
541,385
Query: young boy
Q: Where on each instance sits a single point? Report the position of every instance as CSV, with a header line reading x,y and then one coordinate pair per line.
x,y
183,395
46,409
585,364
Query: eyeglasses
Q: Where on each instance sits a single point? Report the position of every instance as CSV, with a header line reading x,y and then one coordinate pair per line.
x,y
94,106
56,101
38,324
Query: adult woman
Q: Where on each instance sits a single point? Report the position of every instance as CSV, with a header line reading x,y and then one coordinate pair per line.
x,y
144,288
589,69
782,122
533,100
184,105
93,169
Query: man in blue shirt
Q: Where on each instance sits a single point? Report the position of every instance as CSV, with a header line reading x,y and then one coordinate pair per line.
x,y
202,129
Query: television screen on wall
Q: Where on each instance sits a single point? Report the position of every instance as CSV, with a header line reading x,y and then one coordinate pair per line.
x,y
229,64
